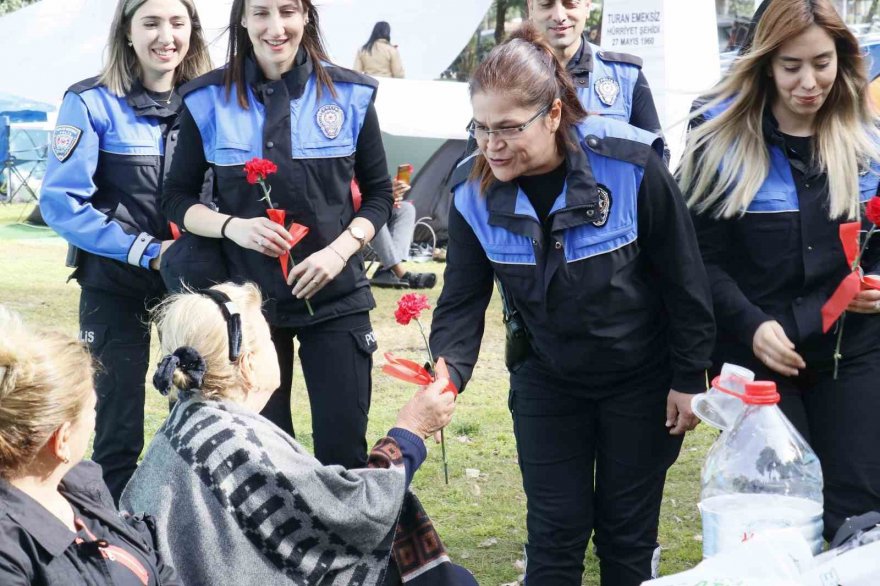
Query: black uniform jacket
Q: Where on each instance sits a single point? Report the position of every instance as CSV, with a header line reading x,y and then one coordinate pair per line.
x,y
315,192
126,192
625,308
784,266
36,548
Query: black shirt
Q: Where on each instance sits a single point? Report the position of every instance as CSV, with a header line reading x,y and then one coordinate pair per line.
x,y
36,548
542,190
784,266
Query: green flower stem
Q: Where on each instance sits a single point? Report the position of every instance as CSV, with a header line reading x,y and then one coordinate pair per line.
x,y
837,354
442,435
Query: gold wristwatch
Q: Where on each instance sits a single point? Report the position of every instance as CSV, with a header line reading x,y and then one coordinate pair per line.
x,y
358,235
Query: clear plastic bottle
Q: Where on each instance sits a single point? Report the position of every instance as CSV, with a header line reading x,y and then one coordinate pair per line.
x,y
762,475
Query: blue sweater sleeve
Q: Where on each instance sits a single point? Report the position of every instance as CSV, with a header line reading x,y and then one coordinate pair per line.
x,y
413,449
68,186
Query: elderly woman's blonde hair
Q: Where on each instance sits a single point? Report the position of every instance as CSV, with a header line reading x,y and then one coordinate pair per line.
x,y
46,378
195,320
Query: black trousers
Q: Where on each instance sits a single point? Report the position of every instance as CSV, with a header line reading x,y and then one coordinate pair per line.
x,y
840,419
337,360
593,462
117,331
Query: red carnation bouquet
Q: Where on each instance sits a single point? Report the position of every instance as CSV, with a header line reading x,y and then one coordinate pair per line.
x,y
410,308
856,281
258,171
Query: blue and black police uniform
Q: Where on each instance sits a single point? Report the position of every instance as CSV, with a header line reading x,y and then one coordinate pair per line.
x,y
612,85
781,260
600,260
317,156
101,194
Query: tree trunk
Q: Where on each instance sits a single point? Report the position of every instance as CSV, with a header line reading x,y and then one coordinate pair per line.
x,y
500,18
872,11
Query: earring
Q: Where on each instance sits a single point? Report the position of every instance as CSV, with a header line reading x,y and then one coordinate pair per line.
x,y
130,44
66,460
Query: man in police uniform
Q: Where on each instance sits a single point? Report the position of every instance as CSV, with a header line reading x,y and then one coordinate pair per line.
x,y
608,84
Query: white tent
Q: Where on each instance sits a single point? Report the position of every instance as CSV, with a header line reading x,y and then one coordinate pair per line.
x,y
55,43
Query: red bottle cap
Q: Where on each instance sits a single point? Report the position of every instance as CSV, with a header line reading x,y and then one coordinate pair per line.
x,y
761,392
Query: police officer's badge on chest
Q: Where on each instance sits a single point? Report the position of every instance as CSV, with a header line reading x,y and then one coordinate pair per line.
x,y
607,89
604,206
64,140
330,119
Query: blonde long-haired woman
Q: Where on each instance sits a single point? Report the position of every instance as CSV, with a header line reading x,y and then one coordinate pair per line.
x,y
58,524
783,153
110,151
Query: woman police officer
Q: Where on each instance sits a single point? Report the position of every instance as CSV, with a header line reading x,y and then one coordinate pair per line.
x,y
112,146
581,223
278,98
767,210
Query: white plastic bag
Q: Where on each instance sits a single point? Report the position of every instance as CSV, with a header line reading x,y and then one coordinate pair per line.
x,y
856,567
771,558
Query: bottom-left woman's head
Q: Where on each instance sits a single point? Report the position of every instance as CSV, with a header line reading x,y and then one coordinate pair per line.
x,y
47,399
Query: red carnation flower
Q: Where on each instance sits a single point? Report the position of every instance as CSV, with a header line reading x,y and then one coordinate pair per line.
x,y
259,169
409,307
872,211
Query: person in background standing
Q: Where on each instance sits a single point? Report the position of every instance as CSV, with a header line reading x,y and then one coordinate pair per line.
x,y
112,146
378,56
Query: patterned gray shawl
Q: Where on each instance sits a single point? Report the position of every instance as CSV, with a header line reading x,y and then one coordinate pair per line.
x,y
237,501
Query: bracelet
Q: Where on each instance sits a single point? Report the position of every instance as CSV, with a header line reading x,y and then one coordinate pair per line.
x,y
223,227
344,261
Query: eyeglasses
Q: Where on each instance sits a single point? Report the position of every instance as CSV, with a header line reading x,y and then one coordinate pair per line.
x,y
482,134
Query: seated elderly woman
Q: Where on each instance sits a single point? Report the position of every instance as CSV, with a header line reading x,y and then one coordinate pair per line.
x,y
58,524
238,501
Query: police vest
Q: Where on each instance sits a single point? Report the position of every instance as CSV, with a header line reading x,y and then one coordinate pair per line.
x,y
608,225
612,83
778,193
102,183
321,127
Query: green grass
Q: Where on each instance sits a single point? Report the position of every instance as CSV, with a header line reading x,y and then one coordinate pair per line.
x,y
482,519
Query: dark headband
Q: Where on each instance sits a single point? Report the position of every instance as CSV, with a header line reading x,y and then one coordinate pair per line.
x,y
232,317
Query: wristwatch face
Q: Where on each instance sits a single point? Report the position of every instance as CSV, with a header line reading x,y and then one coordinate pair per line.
x,y
357,233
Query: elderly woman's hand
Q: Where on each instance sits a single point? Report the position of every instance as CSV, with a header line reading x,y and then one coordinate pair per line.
x,y
428,411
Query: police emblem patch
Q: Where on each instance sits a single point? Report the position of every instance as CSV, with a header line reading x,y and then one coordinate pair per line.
x,y
330,119
64,140
608,89
604,206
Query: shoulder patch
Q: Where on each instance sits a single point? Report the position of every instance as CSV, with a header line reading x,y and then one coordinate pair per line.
x,y
64,141
85,85
620,58
348,76
215,77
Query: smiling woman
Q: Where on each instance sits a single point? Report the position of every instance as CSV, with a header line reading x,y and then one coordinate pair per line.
x,y
111,147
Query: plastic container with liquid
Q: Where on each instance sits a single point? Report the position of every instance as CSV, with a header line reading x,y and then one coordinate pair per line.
x,y
760,475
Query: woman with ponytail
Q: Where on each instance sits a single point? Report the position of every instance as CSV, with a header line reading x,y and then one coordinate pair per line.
x,y
58,523
607,305
238,501
784,151
278,98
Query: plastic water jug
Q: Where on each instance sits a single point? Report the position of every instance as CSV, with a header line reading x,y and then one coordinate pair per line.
x,y
722,403
762,475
